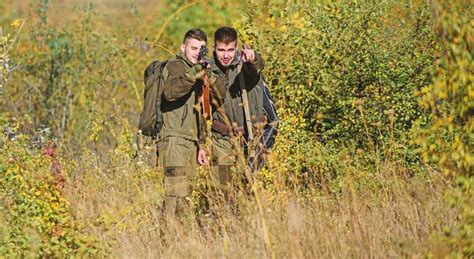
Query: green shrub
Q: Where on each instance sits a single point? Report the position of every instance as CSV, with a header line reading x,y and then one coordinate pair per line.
x,y
35,217
350,70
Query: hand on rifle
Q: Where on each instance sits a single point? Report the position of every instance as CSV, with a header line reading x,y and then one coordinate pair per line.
x,y
202,73
202,60
205,64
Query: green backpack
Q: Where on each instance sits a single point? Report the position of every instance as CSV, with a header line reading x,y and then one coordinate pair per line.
x,y
151,118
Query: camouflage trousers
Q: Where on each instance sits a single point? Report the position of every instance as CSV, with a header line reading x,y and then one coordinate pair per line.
x,y
227,169
177,157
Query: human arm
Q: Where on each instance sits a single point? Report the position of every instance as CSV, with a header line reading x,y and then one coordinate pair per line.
x,y
181,79
253,63
252,67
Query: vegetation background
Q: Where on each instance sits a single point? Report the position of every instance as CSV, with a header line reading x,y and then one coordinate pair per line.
x,y
373,158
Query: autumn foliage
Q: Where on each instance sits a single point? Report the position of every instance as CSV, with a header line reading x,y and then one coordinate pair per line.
x,y
373,157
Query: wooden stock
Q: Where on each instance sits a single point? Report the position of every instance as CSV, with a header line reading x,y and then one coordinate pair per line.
x,y
205,99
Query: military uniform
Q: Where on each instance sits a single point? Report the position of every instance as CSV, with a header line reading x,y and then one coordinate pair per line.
x,y
229,120
183,130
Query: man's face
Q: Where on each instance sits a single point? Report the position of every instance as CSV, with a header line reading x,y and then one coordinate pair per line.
x,y
191,49
225,52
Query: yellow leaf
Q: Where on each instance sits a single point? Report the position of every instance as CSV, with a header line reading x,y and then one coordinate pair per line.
x,y
16,23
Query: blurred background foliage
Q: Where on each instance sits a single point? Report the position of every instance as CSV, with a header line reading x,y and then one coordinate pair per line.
x,y
349,70
361,86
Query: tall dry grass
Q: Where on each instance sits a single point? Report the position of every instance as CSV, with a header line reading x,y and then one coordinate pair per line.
x,y
400,217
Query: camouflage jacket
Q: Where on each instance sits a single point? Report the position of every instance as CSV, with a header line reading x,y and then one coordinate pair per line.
x,y
181,91
233,111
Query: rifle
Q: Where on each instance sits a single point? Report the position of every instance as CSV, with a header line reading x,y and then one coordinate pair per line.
x,y
204,98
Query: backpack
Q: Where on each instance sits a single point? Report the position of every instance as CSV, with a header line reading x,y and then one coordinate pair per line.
x,y
151,118
270,130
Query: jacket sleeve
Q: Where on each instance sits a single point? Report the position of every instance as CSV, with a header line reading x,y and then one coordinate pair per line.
x,y
180,81
254,69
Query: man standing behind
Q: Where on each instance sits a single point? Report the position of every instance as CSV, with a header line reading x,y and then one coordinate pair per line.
x,y
238,70
180,141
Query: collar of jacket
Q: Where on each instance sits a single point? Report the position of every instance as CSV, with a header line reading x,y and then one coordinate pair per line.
x,y
180,55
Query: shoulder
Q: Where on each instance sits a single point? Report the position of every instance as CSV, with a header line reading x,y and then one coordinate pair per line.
x,y
175,62
176,66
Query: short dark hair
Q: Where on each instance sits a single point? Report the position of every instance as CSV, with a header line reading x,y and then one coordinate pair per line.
x,y
225,35
196,34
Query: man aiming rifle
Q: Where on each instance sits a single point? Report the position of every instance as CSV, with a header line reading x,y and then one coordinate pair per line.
x,y
180,142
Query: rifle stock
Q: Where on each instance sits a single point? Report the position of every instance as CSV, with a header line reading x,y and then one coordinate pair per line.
x,y
205,99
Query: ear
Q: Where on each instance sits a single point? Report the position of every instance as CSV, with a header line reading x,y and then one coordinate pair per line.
x,y
182,47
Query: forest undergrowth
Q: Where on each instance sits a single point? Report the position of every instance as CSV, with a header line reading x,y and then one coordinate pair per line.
x,y
373,157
